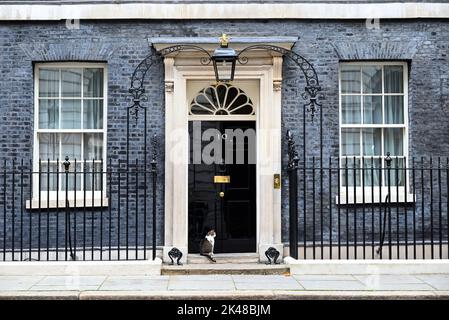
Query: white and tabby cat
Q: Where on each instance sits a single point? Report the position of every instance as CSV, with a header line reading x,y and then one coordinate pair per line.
x,y
207,245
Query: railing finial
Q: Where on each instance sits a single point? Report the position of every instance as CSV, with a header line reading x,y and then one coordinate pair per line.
x,y
66,164
388,160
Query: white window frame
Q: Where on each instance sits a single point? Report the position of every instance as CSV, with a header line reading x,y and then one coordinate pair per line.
x,y
96,198
354,197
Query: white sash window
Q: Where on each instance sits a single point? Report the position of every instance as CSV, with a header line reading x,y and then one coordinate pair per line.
x,y
70,120
373,123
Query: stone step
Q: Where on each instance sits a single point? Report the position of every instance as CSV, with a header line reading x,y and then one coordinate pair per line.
x,y
230,258
225,268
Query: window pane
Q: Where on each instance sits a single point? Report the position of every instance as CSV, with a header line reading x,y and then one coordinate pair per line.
x,y
48,146
48,176
371,171
48,114
71,146
74,178
394,81
93,173
397,174
351,171
372,79
393,141
350,79
372,142
394,109
93,146
71,114
48,82
93,82
93,114
350,142
71,82
350,106
372,109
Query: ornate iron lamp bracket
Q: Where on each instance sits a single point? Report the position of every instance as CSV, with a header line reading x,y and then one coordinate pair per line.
x,y
137,90
312,88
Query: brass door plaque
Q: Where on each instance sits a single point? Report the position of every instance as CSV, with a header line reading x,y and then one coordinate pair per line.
x,y
222,179
277,181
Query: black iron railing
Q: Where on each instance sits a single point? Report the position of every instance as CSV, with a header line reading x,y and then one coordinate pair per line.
x,y
368,208
78,210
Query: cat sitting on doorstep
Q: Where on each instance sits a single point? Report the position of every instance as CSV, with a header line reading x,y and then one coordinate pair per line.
x,y
207,245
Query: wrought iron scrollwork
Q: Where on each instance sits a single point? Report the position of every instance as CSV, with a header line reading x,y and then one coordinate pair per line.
x,y
175,253
272,255
203,60
312,88
137,89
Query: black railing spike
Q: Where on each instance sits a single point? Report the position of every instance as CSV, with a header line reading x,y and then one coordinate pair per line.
x,y
292,169
154,148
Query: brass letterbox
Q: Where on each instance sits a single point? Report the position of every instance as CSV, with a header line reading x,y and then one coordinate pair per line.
x,y
222,179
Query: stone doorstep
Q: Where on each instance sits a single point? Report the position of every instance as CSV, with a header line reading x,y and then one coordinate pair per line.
x,y
225,268
224,258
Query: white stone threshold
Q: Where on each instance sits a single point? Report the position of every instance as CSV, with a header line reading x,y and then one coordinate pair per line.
x,y
82,268
366,267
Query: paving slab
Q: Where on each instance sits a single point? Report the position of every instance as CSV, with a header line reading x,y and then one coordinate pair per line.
x,y
72,280
437,281
400,287
325,277
332,285
259,282
13,283
201,285
259,278
388,279
63,288
134,283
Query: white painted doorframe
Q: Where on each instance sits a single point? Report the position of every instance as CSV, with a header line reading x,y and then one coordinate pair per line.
x,y
268,137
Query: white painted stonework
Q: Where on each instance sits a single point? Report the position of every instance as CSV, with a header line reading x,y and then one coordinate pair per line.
x,y
82,268
260,78
392,10
366,267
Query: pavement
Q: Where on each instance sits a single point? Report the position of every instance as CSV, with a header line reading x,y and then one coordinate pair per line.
x,y
350,286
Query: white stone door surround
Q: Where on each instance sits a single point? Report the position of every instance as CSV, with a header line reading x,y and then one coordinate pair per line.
x,y
182,67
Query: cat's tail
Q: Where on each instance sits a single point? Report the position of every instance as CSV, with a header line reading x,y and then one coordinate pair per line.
x,y
209,256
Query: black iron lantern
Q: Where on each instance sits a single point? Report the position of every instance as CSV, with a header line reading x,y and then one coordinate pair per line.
x,y
224,59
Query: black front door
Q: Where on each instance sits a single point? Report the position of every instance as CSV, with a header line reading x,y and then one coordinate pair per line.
x,y
222,194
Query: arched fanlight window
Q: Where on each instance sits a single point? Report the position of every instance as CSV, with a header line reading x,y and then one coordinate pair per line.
x,y
221,99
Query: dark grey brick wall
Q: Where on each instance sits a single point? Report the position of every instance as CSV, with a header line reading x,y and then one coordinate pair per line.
x,y
123,44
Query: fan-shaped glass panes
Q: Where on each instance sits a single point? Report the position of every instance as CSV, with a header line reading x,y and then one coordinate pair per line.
x,y
221,99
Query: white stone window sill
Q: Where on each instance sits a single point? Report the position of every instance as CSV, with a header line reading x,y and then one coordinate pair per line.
x,y
357,197
61,203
